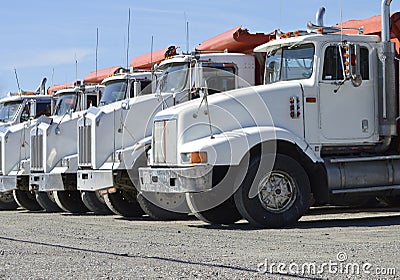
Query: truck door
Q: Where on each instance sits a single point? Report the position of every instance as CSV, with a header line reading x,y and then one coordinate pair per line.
x,y
346,112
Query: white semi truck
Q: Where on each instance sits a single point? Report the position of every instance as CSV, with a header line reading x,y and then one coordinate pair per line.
x,y
16,114
109,160
54,151
16,142
322,128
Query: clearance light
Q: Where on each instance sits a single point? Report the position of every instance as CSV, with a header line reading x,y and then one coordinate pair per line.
x,y
320,30
296,33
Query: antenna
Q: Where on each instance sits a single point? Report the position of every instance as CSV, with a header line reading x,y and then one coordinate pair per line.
x,y
52,77
151,54
187,33
76,68
127,47
97,46
341,20
16,77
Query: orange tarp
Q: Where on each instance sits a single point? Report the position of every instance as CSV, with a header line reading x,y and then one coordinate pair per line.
x,y
54,88
98,76
235,40
145,61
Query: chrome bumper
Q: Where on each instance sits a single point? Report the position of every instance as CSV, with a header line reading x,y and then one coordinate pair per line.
x,y
93,180
8,183
176,180
46,182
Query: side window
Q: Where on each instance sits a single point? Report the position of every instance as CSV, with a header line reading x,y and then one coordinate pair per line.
x,y
91,100
42,109
364,63
219,78
333,64
145,87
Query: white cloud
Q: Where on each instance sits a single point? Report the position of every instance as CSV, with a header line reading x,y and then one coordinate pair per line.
x,y
38,58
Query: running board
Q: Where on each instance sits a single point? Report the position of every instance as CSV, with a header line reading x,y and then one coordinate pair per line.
x,y
366,189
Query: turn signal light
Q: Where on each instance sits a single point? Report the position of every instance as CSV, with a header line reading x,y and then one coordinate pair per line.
x,y
198,157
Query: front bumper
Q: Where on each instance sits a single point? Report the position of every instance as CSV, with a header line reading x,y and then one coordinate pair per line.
x,y
46,182
8,183
176,180
93,180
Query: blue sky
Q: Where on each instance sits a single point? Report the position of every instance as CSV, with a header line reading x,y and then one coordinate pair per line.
x,y
39,36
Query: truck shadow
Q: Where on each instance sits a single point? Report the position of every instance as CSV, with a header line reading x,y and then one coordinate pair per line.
x,y
329,218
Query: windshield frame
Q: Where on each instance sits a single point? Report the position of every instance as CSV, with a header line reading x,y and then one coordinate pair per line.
x,y
62,97
279,63
180,68
10,104
107,97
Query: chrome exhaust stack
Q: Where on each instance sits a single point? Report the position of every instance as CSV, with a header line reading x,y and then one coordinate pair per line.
x,y
387,87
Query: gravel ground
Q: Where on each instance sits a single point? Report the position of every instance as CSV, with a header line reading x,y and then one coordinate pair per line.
x,y
65,246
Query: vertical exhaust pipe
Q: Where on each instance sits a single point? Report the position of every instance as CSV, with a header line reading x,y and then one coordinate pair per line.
x,y
319,16
388,112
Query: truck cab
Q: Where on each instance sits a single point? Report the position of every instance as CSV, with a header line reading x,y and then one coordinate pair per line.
x,y
16,114
320,130
109,161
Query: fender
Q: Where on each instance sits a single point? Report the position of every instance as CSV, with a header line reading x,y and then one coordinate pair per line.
x,y
229,148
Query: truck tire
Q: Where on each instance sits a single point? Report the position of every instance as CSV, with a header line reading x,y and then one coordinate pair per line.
x,y
173,202
282,195
95,202
47,202
124,203
7,201
27,200
225,213
70,201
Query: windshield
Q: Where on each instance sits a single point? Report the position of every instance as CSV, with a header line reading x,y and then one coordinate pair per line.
x,y
173,77
8,110
65,103
289,63
114,91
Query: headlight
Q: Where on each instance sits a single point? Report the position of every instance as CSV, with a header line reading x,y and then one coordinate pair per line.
x,y
194,157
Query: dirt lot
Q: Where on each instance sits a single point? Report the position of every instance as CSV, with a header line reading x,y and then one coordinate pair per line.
x,y
357,244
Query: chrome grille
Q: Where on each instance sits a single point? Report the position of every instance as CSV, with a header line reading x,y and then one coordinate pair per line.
x,y
37,152
165,142
85,145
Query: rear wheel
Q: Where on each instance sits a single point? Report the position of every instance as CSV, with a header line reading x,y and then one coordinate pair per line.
x,y
124,203
225,213
27,200
70,201
274,198
165,207
95,202
7,201
47,201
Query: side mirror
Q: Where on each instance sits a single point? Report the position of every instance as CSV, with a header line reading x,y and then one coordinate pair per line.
x,y
136,88
32,108
198,76
355,68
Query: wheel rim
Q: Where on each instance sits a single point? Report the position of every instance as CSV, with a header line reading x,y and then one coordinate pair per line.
x,y
168,201
277,191
6,197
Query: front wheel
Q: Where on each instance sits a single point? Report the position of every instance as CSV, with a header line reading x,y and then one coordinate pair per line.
x,y
225,213
124,203
7,201
47,201
27,200
95,202
70,201
164,206
274,198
